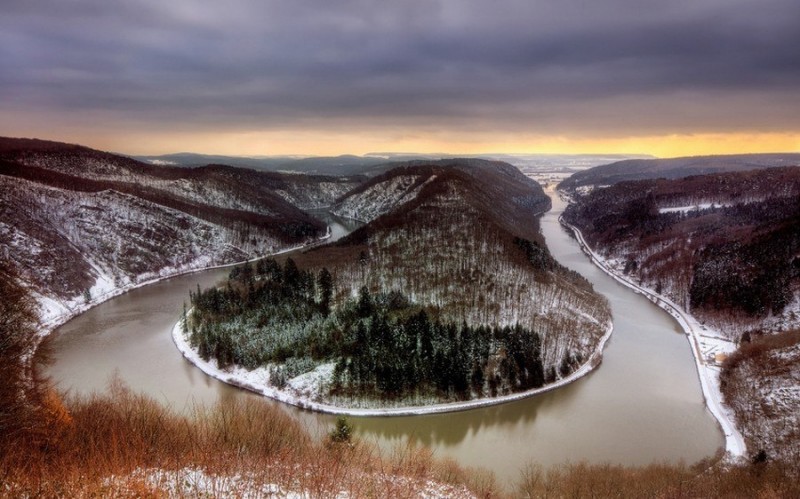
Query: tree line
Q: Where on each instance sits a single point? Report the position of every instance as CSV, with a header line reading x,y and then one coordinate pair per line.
x,y
382,345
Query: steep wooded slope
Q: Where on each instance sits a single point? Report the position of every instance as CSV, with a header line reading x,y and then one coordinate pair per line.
x,y
725,246
462,237
79,223
761,383
221,186
673,168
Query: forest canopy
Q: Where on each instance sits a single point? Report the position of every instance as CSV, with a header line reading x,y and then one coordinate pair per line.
x,y
382,345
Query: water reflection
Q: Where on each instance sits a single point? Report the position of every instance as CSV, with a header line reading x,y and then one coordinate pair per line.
x,y
643,404
339,226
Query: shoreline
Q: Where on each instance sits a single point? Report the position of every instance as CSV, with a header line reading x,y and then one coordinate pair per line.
x,y
47,327
242,378
709,378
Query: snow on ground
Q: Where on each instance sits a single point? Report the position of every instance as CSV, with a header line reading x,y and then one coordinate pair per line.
x,y
705,344
307,390
195,482
694,207
381,198
584,190
53,313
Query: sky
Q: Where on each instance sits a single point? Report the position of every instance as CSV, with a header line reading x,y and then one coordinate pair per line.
x,y
322,77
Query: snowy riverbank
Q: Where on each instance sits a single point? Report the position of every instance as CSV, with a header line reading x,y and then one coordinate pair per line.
x,y
57,313
705,346
305,390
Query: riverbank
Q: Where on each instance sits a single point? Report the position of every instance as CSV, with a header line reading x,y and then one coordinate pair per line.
x,y
708,370
51,322
305,390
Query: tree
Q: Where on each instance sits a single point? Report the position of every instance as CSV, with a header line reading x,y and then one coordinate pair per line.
x,y
29,411
365,306
342,432
477,378
291,276
325,285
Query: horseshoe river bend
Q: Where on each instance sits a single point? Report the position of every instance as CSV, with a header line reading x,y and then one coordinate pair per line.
x,y
643,404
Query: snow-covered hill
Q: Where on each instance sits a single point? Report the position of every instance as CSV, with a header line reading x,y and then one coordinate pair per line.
x,y
723,246
462,236
79,225
381,197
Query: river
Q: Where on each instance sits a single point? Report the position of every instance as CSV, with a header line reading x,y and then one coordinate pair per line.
x,y
643,404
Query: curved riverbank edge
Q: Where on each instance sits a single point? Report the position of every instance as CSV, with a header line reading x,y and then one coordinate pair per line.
x,y
257,381
50,325
735,445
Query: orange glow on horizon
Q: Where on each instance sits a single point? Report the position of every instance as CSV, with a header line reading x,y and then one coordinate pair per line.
x,y
327,143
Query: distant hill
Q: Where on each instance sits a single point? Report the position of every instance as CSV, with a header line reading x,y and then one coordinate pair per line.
x,y
76,223
640,169
372,164
326,165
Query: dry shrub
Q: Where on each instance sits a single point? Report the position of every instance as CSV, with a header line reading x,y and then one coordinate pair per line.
x,y
658,480
124,444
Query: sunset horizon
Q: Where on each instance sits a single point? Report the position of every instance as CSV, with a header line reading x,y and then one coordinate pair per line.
x,y
312,145
266,78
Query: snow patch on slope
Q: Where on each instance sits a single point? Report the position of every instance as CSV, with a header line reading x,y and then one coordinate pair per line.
x,y
694,207
381,198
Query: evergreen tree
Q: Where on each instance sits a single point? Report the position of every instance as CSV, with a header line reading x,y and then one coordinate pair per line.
x,y
291,277
325,285
365,305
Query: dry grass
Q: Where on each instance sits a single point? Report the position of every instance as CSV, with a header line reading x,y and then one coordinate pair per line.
x,y
659,480
122,444
125,444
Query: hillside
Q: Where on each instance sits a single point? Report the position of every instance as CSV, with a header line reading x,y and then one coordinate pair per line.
x,y
451,252
79,224
464,236
212,184
723,246
761,383
673,168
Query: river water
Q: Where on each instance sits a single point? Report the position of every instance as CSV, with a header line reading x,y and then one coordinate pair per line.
x,y
642,405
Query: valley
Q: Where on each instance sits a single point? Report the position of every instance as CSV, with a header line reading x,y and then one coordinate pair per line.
x,y
720,251
80,226
646,386
486,315
533,283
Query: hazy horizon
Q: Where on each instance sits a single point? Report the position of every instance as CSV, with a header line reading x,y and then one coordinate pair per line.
x,y
255,77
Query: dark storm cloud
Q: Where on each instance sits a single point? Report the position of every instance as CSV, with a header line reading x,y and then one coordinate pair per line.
x,y
574,65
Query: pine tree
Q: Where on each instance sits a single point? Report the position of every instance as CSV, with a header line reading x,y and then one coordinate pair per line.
x,y
365,305
291,277
325,284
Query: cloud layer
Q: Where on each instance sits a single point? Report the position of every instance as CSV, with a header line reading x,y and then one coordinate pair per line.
x,y
567,67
